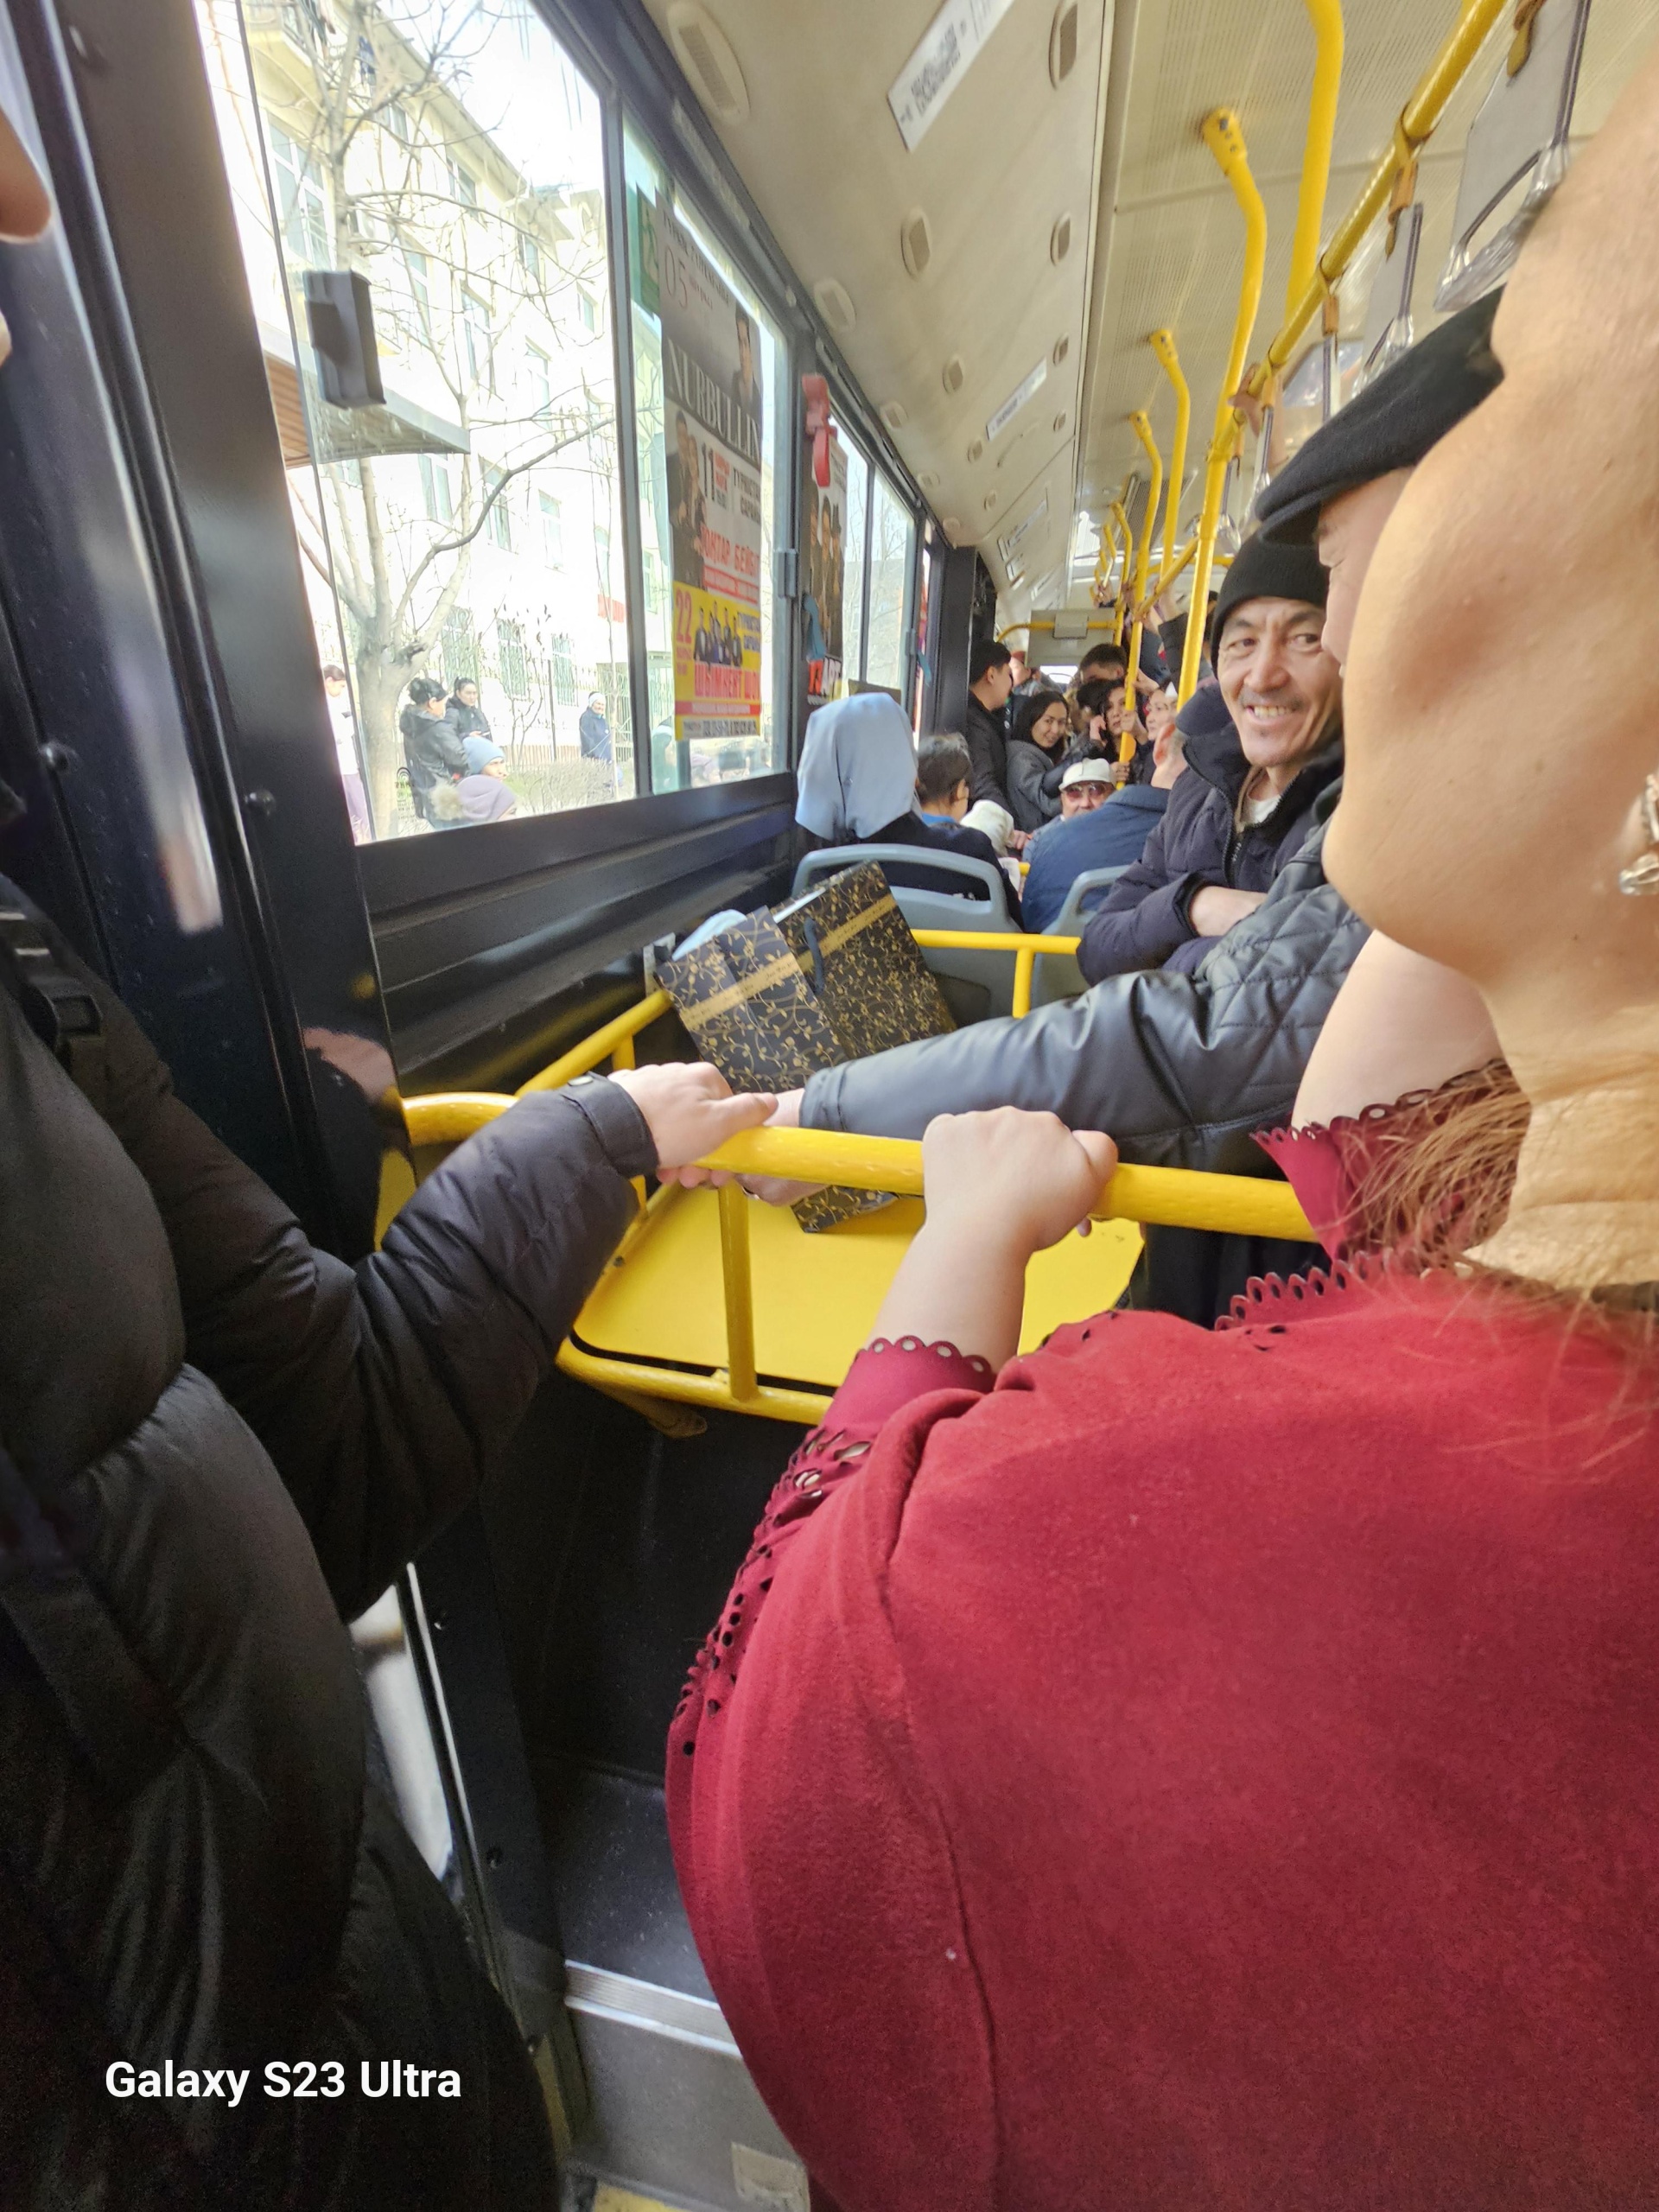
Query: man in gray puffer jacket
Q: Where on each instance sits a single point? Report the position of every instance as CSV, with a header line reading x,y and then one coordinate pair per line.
x,y
217,1445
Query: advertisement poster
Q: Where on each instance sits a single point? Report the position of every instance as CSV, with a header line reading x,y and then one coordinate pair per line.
x,y
823,510
712,409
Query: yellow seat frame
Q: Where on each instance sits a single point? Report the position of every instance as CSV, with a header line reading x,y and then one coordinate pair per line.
x,y
714,1299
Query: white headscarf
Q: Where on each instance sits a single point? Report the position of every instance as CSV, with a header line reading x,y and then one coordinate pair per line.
x,y
858,768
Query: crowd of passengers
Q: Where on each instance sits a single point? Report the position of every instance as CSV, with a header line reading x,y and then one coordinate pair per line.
x,y
1210,1760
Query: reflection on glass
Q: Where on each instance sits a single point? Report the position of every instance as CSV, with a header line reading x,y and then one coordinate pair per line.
x,y
892,536
858,495
702,415
462,541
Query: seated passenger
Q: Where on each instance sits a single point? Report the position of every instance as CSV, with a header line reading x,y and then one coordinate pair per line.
x,y
1187,1769
857,783
1182,1067
1038,747
990,679
483,791
1271,744
1107,836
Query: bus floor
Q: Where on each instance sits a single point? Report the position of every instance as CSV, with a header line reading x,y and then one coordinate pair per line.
x,y
611,1547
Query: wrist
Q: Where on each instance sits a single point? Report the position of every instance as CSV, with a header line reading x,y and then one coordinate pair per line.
x,y
981,1242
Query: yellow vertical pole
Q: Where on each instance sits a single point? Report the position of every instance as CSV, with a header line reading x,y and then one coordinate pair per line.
x,y
1122,521
739,1300
1162,343
1142,429
1225,140
1325,15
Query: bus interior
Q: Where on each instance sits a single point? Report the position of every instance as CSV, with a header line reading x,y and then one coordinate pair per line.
x,y
378,340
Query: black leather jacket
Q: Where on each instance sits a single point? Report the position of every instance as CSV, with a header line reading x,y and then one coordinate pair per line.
x,y
241,1439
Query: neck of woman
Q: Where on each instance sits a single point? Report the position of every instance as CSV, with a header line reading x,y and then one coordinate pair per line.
x,y
1585,1210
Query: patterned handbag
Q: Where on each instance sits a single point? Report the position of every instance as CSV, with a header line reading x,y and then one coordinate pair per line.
x,y
864,967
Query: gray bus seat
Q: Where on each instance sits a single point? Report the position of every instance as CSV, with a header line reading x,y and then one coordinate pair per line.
x,y
976,985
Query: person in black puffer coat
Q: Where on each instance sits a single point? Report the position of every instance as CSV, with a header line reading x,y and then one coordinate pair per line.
x,y
1260,751
217,1446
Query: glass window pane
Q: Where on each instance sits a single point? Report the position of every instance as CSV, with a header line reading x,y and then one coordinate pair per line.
x,y
852,589
460,531
709,375
892,536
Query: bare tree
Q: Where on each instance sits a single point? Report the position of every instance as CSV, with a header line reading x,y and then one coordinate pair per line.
x,y
401,182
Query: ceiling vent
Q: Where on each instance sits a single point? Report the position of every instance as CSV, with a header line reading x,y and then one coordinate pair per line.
x,y
1059,422
835,304
1062,348
1060,240
916,241
990,503
1063,42
929,480
895,416
704,52
976,451
953,376
951,526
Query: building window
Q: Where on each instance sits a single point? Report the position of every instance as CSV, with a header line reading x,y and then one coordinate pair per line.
x,y
463,186
395,117
564,672
415,264
303,203
552,529
437,490
499,522
510,656
587,310
475,327
541,379
529,257
458,647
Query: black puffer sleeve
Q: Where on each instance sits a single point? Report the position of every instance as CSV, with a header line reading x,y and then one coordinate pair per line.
x,y
382,1392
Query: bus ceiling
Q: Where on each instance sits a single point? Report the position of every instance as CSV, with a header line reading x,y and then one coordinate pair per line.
x,y
1035,195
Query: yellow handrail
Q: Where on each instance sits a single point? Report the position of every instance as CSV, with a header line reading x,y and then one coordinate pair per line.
x,y
1027,950
1225,140
1325,15
1417,123
1174,1198
1143,428
615,1042
1121,518
1162,343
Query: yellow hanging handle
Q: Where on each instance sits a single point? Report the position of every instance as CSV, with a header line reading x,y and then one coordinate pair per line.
x,y
1142,429
1225,139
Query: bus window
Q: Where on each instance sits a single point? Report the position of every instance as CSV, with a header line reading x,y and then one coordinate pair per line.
x,y
710,372
857,545
892,549
463,536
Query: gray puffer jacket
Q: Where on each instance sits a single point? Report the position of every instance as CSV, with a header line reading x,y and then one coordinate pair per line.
x,y
1180,1069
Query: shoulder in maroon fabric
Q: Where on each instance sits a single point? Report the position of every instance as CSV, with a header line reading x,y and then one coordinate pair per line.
x,y
1259,1728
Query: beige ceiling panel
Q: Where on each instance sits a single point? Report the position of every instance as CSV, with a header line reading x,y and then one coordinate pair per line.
x,y
1010,157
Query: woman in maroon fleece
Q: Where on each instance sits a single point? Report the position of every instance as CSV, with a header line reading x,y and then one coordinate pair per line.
x,y
1190,1770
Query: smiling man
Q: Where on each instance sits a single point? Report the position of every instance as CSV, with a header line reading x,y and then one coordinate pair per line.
x,y
1270,744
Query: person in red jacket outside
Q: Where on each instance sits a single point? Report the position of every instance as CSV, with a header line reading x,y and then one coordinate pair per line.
x,y
1180,1769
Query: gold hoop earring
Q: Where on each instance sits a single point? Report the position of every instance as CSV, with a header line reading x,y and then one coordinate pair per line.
x,y
1641,878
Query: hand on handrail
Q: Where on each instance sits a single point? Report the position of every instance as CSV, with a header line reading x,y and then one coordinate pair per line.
x,y
690,1110
775,1190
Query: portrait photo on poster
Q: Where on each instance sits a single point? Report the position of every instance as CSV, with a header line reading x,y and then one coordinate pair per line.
x,y
823,569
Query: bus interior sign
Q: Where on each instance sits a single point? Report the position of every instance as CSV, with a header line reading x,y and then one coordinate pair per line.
x,y
949,45
1008,546
1016,400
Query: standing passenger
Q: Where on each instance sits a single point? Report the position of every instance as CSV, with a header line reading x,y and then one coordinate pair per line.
x,y
990,679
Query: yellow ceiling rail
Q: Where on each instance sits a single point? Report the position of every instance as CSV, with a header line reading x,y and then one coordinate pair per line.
x,y
1225,140
1162,343
1325,15
1143,428
1417,123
